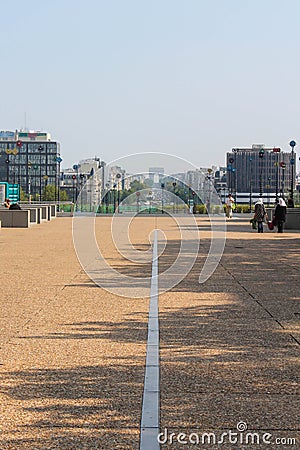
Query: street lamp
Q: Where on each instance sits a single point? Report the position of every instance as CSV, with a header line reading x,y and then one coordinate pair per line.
x,y
162,197
81,190
250,184
40,149
76,168
29,165
292,161
118,176
283,166
107,196
150,198
261,155
138,201
268,188
276,164
58,160
209,177
231,170
114,186
74,196
174,203
7,167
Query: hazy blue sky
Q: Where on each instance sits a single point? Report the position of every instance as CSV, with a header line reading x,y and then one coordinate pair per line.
x,y
193,77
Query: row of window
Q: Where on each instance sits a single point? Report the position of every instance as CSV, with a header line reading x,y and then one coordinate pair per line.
x,y
51,148
30,159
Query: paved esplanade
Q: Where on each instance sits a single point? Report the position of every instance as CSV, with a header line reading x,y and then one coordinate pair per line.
x,y
73,355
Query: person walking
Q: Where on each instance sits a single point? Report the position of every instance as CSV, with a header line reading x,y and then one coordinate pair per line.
x,y
229,206
260,214
280,214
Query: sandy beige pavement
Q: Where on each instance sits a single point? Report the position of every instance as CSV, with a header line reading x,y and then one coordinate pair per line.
x,y
230,347
72,354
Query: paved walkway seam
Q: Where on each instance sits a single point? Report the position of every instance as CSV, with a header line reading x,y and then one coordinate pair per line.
x,y
151,397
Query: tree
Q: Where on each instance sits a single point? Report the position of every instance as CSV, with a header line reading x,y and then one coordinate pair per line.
x,y
63,196
49,193
23,196
136,185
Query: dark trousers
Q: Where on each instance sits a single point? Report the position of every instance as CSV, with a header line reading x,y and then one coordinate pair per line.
x,y
280,226
260,228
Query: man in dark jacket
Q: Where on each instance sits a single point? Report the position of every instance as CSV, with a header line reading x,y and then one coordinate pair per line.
x,y
280,214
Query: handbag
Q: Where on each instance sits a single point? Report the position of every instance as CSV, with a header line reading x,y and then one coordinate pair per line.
x,y
253,223
270,225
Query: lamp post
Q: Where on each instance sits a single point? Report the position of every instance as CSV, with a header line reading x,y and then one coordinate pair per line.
x,y
230,170
268,188
250,184
209,177
276,164
107,196
29,166
74,196
29,191
138,201
15,151
261,155
114,186
150,201
35,168
118,176
235,183
283,166
7,165
40,149
81,176
292,161
162,197
57,182
174,202
194,203
75,167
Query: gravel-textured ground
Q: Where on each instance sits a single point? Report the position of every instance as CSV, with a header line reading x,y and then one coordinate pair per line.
x,y
72,354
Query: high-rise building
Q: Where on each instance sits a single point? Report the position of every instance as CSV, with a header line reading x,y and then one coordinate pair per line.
x,y
89,174
156,174
259,170
30,159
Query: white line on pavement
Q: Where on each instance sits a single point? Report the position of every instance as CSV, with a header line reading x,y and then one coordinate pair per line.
x,y
151,398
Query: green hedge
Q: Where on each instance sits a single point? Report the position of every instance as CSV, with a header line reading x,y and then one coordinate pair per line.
x,y
217,209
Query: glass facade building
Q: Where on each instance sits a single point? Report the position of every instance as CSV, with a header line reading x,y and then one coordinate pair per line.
x,y
32,163
248,172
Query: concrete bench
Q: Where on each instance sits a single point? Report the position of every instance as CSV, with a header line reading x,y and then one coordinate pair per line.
x,y
43,211
15,218
292,221
47,214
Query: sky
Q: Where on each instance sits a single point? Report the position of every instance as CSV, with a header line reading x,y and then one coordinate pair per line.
x,y
192,78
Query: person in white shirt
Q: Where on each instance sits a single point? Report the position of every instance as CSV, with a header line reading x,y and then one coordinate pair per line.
x,y
229,206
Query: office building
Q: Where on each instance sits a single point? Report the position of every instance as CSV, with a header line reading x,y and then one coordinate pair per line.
x,y
259,171
30,159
